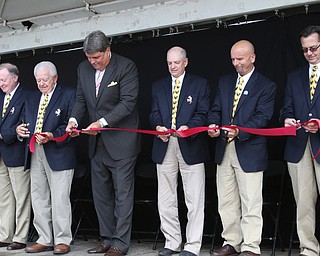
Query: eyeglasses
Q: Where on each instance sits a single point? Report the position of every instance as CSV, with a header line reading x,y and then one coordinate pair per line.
x,y
311,49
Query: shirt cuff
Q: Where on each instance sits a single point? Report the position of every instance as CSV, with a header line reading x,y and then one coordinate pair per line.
x,y
72,119
103,122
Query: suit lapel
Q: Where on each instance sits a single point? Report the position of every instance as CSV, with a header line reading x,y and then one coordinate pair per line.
x,y
248,89
230,96
54,98
184,89
34,108
168,94
306,85
107,76
15,97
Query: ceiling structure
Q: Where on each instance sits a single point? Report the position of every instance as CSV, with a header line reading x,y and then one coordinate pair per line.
x,y
28,25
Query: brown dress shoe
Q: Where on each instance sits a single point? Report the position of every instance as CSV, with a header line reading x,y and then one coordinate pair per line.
x,y
38,248
224,251
2,244
61,249
103,248
248,253
16,246
114,251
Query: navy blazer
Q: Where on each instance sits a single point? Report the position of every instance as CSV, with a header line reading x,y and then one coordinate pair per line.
x,y
193,106
12,149
297,105
62,155
254,110
116,102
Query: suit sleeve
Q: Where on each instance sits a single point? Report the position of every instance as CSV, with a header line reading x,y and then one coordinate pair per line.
x,y
129,89
287,111
215,113
263,111
155,116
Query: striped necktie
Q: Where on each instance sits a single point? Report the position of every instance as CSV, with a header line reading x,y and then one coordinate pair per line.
x,y
6,104
313,81
236,98
98,82
41,113
175,100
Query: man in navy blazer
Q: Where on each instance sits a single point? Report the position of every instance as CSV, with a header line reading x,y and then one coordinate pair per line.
x,y
302,104
107,91
241,157
15,205
173,154
52,164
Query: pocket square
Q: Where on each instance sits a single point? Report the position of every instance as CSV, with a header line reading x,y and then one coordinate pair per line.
x,y
112,84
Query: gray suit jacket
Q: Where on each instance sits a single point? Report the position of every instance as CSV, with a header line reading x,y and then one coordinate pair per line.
x,y
116,102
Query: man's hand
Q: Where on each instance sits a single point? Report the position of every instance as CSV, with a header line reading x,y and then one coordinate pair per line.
x,y
44,137
165,137
230,132
312,126
23,131
181,128
70,127
88,130
215,132
291,122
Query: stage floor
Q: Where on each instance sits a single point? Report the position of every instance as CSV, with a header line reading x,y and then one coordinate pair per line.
x,y
80,247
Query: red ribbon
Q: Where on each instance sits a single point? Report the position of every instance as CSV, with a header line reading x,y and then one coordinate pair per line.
x,y
281,131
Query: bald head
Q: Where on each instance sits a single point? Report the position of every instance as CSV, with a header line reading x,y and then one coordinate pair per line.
x,y
243,57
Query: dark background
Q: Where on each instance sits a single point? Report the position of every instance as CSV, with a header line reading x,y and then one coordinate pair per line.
x,y
278,51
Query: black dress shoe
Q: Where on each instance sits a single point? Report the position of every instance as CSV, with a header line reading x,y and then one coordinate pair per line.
x,y
103,248
16,246
226,250
4,244
166,252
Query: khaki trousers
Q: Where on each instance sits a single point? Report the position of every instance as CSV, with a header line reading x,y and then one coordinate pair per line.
x,y
305,178
193,181
50,197
239,203
15,206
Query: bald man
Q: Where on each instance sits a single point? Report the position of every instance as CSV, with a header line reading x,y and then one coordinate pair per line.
x,y
174,155
244,98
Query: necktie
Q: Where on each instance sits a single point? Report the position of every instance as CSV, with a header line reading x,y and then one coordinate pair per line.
x,y
6,104
98,82
175,99
237,94
313,81
236,97
41,113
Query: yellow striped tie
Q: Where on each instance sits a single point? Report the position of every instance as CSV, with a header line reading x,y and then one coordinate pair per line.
x,y
41,113
175,100
6,104
236,98
313,81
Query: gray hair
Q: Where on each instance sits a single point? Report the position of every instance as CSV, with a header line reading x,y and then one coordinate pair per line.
x,y
46,64
96,41
178,49
13,70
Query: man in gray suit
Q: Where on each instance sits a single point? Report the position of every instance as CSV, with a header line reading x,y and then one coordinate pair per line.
x,y
107,90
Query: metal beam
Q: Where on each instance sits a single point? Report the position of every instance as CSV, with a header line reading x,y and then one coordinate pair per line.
x,y
137,19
